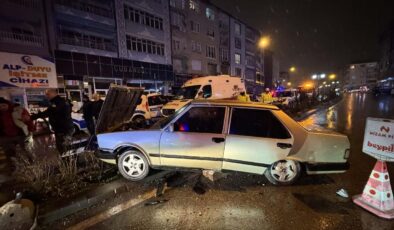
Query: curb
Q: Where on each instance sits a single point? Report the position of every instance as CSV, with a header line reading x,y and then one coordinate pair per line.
x,y
93,197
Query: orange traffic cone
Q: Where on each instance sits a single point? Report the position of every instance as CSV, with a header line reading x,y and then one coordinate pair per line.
x,y
377,196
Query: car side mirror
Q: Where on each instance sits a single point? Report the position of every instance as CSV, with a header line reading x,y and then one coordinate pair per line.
x,y
171,128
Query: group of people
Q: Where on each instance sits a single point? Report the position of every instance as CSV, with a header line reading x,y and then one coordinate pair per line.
x,y
16,124
266,96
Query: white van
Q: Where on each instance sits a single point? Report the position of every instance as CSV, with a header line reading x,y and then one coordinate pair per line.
x,y
210,88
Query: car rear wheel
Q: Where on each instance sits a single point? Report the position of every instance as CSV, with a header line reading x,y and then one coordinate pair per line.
x,y
133,165
139,122
283,172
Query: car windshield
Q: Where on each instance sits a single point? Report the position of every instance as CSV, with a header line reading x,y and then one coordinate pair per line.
x,y
163,122
188,92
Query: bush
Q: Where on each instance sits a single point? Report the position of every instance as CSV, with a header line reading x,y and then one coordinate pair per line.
x,y
45,173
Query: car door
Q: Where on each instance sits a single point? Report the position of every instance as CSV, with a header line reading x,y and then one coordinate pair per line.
x,y
197,139
256,138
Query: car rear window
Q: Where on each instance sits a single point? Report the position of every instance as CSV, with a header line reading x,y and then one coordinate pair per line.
x,y
257,123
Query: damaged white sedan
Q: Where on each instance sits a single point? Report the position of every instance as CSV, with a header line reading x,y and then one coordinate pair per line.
x,y
227,136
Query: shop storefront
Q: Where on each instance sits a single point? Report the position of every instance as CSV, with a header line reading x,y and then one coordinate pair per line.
x,y
24,78
88,74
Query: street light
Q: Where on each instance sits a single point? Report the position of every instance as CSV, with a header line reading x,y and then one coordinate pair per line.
x,y
314,76
264,42
288,83
322,76
292,69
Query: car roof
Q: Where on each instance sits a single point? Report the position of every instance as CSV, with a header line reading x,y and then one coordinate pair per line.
x,y
234,103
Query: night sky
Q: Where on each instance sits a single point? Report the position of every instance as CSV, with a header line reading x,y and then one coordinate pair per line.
x,y
317,36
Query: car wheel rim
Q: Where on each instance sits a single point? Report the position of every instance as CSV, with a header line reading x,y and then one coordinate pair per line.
x,y
284,171
133,165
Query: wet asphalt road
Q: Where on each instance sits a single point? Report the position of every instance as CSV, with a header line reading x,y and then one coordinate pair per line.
x,y
243,201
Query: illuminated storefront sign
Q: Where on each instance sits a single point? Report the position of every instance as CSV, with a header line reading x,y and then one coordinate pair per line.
x,y
26,71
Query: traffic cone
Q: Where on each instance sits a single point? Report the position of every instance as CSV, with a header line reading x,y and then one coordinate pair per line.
x,y
377,196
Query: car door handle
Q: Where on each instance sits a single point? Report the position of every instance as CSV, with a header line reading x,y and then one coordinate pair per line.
x,y
218,139
284,145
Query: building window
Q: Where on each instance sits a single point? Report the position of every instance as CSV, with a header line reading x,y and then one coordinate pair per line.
x,y
144,46
176,44
211,32
210,14
194,6
238,72
172,3
142,17
237,58
85,40
211,52
196,46
178,21
238,43
195,27
223,55
237,29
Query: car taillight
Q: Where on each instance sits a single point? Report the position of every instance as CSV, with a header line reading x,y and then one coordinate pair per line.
x,y
347,154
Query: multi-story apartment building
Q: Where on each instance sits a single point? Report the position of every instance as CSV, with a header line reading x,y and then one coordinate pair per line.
x,y
24,27
207,41
144,37
195,38
387,52
104,42
361,74
26,50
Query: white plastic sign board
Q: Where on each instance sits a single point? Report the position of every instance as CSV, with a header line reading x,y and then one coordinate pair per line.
x,y
379,138
26,71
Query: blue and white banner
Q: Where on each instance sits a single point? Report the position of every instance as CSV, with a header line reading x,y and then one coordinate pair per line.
x,y
26,71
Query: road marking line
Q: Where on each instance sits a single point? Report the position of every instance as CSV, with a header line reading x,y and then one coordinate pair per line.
x,y
113,211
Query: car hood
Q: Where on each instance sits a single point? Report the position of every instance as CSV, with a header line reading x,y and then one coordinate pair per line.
x,y
176,104
119,105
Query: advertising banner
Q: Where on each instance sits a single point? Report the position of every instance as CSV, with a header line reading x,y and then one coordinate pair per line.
x,y
379,139
26,71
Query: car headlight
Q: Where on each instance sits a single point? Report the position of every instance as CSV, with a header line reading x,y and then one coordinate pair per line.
x,y
347,154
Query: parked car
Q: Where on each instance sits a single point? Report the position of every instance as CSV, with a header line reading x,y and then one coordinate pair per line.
x,y
287,98
149,108
227,136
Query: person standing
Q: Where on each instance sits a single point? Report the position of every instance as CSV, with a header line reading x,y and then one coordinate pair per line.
x,y
266,97
87,111
243,97
10,134
59,114
97,104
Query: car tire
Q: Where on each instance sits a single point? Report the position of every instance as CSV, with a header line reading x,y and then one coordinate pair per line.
x,y
139,122
283,172
133,165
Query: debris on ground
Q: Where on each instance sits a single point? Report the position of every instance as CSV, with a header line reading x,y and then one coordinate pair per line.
x,y
154,202
343,193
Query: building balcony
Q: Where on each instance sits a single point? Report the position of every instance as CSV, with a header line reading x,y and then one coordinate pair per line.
x,y
107,46
21,38
88,8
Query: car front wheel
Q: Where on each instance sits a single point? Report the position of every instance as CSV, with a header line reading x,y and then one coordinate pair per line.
x,y
133,165
283,172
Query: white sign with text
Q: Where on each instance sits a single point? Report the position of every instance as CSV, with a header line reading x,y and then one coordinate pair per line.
x,y
26,71
379,138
